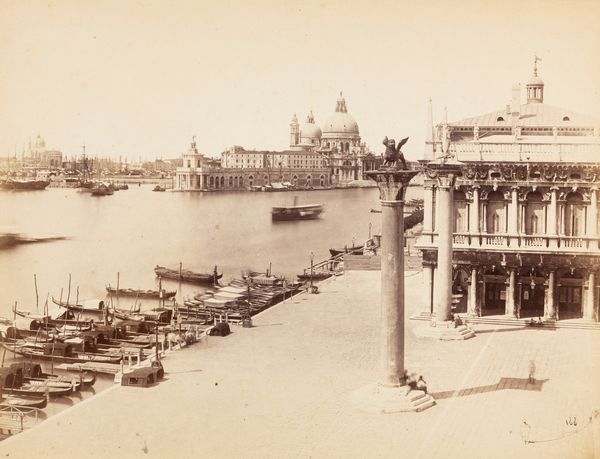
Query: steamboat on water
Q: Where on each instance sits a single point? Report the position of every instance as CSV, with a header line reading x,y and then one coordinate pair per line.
x,y
297,212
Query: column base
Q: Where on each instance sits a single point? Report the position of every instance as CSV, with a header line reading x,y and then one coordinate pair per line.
x,y
444,331
376,398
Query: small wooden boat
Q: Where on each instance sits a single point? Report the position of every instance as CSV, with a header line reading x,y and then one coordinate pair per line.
x,y
102,189
33,371
25,184
159,188
263,279
185,275
59,352
354,250
24,401
14,383
67,319
317,276
142,293
89,306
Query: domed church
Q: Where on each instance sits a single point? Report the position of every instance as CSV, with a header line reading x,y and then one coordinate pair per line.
x,y
321,158
339,141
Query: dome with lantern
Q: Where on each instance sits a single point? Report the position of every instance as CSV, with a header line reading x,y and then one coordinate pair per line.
x,y
340,122
309,130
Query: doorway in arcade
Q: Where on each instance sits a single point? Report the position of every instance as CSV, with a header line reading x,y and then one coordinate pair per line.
x,y
569,302
494,294
570,293
531,299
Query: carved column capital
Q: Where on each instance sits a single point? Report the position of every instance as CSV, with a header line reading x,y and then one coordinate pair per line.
x,y
391,183
444,173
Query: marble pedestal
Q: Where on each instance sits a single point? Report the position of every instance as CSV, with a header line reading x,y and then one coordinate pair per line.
x,y
376,398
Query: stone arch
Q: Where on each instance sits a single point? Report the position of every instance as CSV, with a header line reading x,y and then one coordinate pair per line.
x,y
534,216
574,215
495,213
461,212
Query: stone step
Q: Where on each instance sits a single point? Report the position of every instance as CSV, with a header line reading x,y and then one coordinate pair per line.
x,y
495,320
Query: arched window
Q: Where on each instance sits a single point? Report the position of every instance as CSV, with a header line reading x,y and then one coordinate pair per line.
x,y
461,213
322,180
230,182
566,118
222,182
347,147
534,214
574,217
495,213
499,119
211,182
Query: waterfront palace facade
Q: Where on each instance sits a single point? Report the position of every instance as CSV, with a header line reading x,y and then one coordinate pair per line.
x,y
525,203
332,156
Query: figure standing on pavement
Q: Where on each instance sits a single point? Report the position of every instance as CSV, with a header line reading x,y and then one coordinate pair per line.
x,y
532,372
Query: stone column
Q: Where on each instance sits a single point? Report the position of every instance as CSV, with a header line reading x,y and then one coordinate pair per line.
x,y
391,392
588,311
442,302
392,187
553,219
549,304
472,298
474,214
428,285
513,217
593,218
428,212
510,294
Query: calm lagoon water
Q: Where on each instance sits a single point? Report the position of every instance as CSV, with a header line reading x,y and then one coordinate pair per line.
x,y
134,230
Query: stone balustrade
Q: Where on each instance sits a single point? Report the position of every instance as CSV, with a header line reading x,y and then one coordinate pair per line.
x,y
523,242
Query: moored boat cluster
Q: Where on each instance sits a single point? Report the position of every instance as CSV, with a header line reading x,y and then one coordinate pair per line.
x,y
81,339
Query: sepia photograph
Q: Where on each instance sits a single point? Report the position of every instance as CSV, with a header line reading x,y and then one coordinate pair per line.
x,y
282,229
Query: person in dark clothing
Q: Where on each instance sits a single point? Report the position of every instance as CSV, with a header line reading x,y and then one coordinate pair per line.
x,y
421,384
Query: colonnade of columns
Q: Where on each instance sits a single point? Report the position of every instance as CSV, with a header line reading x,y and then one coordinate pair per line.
x,y
589,297
555,213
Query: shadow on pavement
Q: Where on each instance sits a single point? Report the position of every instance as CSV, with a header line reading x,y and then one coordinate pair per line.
x,y
503,384
513,329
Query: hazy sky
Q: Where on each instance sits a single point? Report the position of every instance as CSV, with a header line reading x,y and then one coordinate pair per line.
x,y
139,78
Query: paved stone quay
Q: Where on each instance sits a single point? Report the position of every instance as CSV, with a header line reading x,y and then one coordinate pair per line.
x,y
282,389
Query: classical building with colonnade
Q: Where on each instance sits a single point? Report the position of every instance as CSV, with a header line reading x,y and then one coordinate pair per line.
x,y
525,210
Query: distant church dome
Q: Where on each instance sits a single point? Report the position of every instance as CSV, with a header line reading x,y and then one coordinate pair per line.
x,y
309,129
340,122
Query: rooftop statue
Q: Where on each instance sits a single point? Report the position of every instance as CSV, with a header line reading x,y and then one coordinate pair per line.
x,y
393,153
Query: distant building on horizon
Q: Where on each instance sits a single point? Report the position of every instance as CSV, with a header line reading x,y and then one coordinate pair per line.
x,y
334,155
